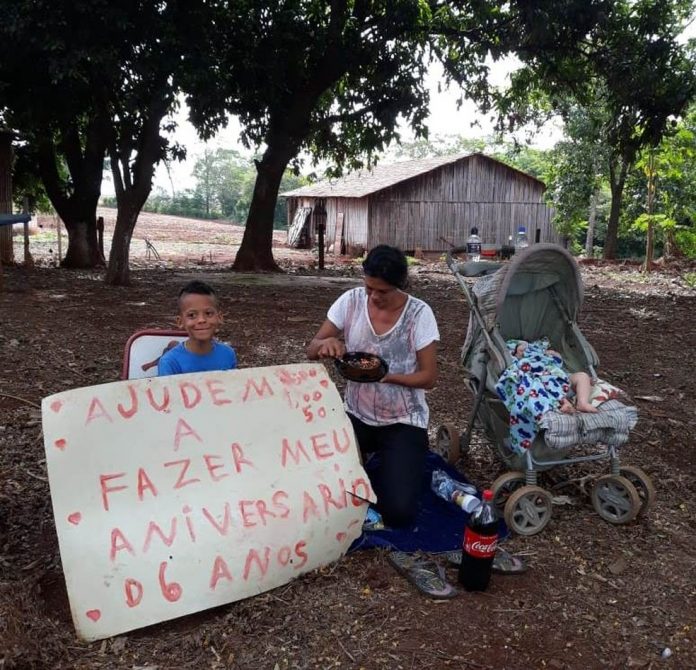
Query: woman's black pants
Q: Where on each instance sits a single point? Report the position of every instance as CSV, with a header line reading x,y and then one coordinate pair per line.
x,y
398,477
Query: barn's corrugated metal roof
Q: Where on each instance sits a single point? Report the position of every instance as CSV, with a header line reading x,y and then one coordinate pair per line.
x,y
364,182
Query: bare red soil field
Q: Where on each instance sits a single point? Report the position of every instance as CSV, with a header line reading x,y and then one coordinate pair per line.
x,y
595,596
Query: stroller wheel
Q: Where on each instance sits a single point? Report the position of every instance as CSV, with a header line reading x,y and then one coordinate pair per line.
x,y
504,486
528,510
615,499
447,443
643,484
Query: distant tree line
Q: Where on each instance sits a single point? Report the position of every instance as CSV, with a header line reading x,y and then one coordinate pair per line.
x,y
223,189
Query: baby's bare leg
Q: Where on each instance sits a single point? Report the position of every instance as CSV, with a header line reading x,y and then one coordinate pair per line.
x,y
582,384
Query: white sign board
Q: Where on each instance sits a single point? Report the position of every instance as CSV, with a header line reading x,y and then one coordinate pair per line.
x,y
175,494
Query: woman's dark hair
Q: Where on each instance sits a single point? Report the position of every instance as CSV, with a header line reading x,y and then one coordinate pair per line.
x,y
387,263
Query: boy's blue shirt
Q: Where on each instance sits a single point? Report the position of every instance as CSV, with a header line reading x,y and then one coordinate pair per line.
x,y
180,360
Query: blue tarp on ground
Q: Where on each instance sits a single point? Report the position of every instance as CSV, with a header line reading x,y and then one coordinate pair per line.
x,y
439,526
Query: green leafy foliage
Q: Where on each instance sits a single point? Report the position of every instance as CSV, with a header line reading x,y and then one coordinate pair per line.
x,y
81,79
631,75
686,240
27,185
672,164
334,79
659,221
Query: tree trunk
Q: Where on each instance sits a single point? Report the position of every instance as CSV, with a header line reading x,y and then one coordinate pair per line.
x,y
255,253
133,183
118,271
672,249
6,245
650,237
616,183
83,246
649,245
76,205
589,240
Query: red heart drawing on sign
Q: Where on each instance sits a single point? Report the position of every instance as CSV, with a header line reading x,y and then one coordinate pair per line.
x,y
324,383
75,518
341,536
60,444
56,405
95,615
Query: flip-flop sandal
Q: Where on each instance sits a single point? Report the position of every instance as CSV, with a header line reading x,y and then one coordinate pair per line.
x,y
426,575
504,563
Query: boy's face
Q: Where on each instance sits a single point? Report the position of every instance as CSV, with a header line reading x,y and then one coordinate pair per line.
x,y
199,316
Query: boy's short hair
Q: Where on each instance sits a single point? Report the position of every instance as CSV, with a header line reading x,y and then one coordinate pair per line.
x,y
196,287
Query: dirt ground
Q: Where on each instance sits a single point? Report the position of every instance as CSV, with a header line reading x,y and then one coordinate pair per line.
x,y
595,596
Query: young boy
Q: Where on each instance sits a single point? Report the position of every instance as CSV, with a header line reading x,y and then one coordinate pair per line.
x,y
200,317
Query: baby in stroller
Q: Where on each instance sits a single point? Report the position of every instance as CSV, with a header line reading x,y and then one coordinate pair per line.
x,y
580,382
535,383
519,388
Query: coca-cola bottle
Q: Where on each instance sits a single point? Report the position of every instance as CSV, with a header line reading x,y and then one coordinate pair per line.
x,y
478,546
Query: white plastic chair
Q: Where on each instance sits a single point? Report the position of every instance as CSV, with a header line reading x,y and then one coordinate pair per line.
x,y
144,349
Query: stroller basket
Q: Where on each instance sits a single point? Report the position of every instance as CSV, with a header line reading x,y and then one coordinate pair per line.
x,y
539,294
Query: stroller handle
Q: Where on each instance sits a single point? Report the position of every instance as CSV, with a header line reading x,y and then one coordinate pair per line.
x,y
473,269
450,258
469,268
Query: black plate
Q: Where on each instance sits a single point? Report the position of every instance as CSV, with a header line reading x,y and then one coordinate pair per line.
x,y
355,374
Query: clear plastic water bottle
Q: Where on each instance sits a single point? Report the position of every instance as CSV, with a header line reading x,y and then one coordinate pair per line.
x,y
459,493
473,246
373,520
521,241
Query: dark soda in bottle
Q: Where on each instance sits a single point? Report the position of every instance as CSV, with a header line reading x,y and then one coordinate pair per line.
x,y
479,545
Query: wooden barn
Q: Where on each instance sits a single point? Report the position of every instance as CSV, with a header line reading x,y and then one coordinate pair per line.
x,y
423,204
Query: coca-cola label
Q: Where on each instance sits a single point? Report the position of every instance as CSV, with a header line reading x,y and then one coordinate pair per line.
x,y
479,546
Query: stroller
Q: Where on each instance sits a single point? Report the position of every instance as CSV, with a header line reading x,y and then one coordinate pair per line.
x,y
539,293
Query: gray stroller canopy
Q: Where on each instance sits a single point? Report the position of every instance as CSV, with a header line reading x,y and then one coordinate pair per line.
x,y
534,295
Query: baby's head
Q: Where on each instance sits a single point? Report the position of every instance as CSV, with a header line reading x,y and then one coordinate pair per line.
x,y
517,347
521,348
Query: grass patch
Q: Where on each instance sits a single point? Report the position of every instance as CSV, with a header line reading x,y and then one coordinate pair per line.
x,y
690,279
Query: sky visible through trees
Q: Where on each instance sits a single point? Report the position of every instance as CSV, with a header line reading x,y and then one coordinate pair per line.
x,y
445,119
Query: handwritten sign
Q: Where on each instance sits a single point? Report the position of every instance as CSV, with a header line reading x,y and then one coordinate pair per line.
x,y
175,494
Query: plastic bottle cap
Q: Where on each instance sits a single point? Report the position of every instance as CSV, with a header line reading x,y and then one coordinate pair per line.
x,y
474,231
487,495
521,229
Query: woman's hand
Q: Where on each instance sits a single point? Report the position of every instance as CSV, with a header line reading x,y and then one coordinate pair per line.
x,y
326,343
331,347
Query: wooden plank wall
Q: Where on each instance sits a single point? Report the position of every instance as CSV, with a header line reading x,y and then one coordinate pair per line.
x,y
354,220
449,201
446,202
